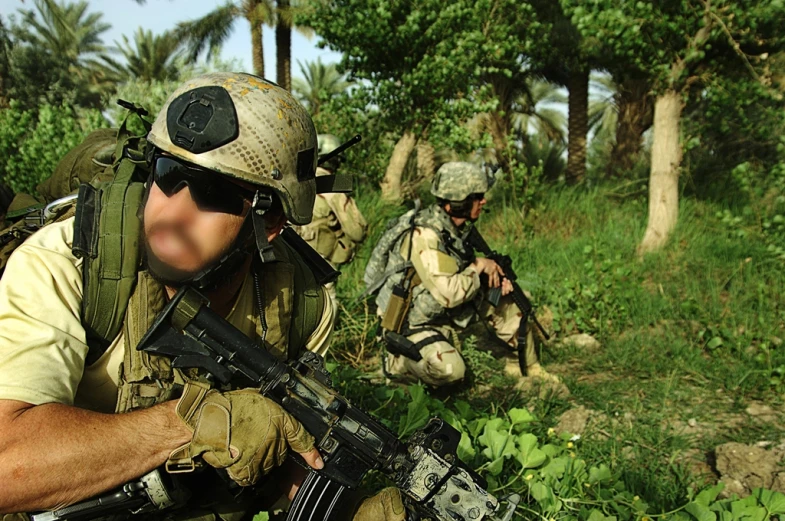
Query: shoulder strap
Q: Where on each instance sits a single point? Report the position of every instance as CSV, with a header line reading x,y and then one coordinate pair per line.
x,y
107,229
308,296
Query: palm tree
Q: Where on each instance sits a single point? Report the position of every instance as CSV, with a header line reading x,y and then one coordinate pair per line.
x,y
66,30
151,57
534,110
71,35
603,113
320,83
285,14
212,30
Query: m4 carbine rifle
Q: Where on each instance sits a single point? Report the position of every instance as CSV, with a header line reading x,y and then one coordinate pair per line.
x,y
435,483
475,241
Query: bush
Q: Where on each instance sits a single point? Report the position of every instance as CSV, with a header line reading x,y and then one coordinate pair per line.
x,y
32,143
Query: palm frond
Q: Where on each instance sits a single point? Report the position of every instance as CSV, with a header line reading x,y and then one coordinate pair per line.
x,y
209,32
319,84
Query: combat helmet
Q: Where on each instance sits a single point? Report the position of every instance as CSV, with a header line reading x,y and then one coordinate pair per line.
x,y
457,180
247,128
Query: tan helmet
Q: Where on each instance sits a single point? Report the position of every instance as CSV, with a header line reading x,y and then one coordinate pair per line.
x,y
455,181
244,127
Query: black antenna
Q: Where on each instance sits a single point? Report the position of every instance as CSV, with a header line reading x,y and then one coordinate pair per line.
x,y
329,155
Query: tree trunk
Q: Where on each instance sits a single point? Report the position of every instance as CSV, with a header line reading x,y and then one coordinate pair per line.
x,y
578,124
391,184
426,160
636,113
257,49
283,46
664,181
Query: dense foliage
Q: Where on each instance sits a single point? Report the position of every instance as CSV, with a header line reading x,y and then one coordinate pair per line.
x,y
33,141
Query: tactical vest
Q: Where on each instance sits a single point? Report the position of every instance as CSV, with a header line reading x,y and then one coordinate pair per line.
x,y
293,305
324,231
424,309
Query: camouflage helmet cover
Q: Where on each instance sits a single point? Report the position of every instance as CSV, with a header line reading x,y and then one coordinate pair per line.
x,y
244,127
455,181
327,143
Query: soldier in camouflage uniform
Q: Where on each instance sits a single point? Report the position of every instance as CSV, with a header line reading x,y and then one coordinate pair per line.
x,y
446,288
337,227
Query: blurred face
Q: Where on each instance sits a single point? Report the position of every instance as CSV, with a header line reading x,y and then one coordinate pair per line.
x,y
183,237
191,218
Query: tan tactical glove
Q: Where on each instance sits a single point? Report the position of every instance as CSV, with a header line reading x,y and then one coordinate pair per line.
x,y
387,505
241,431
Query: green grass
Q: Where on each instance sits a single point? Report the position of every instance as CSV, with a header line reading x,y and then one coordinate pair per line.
x,y
691,332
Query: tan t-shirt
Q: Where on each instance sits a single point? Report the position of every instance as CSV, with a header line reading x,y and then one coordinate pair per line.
x,y
42,341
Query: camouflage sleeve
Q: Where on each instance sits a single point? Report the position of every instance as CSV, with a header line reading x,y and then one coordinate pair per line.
x,y
439,272
352,221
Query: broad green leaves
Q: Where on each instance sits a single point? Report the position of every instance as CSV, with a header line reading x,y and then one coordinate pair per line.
x,y
417,413
549,473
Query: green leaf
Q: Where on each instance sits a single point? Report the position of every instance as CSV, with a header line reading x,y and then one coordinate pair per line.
x,y
476,426
700,512
496,466
497,443
465,410
417,413
520,417
773,501
598,474
714,343
529,456
261,516
544,495
555,469
466,451
596,515
748,512
707,496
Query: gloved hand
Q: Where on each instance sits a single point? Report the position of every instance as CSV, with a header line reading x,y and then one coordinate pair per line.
x,y
387,505
241,431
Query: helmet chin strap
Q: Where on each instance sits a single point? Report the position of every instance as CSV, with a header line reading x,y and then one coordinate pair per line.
x,y
261,203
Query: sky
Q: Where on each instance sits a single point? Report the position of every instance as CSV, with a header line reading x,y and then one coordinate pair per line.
x,y
160,15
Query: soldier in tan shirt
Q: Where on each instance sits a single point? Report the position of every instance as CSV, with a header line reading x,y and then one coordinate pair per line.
x,y
338,227
211,215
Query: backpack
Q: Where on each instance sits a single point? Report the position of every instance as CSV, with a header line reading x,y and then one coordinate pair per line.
x,y
376,271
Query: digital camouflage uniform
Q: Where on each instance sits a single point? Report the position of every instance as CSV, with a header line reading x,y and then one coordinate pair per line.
x,y
449,293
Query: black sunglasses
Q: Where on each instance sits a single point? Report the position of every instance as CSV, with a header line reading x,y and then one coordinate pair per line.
x,y
211,191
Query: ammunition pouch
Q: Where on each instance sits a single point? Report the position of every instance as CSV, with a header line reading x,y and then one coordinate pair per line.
x,y
400,301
